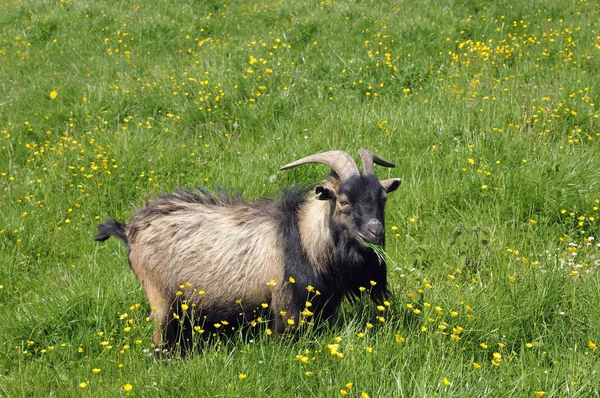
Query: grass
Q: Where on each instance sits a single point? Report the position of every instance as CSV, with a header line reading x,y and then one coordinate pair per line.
x,y
488,109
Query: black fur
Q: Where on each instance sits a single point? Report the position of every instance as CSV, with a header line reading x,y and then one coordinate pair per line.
x,y
361,264
355,267
298,266
111,228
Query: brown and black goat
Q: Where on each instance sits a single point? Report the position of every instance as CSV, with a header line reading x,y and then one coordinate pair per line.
x,y
222,258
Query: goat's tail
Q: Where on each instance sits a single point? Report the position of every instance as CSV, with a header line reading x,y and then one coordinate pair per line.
x,y
111,228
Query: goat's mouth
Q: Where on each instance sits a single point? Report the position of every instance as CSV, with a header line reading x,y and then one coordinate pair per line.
x,y
365,241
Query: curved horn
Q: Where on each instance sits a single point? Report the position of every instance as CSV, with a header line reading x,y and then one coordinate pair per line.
x,y
338,161
368,158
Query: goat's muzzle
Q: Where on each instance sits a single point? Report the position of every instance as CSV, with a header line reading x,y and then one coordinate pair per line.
x,y
372,232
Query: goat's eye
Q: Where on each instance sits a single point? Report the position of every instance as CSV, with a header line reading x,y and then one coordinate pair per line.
x,y
344,204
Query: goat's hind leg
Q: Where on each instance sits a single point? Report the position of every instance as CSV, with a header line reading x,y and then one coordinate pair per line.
x,y
159,306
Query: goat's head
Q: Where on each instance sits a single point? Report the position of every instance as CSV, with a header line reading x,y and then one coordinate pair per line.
x,y
357,197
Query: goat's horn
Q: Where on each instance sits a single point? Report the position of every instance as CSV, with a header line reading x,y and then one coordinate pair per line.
x,y
368,158
338,161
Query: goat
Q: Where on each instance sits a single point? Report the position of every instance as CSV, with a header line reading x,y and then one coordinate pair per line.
x,y
223,257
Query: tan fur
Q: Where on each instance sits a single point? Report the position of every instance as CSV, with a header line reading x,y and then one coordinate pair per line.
x,y
159,303
199,245
313,224
333,183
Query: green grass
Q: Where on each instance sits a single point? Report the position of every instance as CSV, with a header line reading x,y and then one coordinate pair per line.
x,y
488,109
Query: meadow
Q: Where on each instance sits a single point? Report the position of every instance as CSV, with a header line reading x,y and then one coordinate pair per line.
x,y
488,108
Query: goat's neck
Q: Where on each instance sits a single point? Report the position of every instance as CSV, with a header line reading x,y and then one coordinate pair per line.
x,y
315,232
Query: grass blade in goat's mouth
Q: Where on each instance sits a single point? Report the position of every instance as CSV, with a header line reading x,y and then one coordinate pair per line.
x,y
379,251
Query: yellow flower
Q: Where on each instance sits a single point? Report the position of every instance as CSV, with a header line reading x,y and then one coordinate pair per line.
x,y
306,312
264,305
53,95
349,385
302,358
127,387
497,359
447,382
96,370
184,307
540,393
242,376
592,345
476,365
364,395
83,384
343,392
291,280
272,282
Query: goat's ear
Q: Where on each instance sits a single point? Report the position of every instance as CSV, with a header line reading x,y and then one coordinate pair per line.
x,y
391,184
325,193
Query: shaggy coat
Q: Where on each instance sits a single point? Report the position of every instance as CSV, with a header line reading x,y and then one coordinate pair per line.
x,y
291,260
